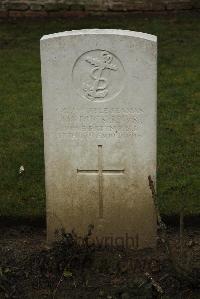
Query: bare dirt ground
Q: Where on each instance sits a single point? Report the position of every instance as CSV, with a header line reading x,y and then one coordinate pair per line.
x,y
29,269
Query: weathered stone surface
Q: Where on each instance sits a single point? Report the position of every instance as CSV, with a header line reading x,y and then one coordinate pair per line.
x,y
99,101
95,7
16,6
16,14
56,6
146,7
35,7
35,14
179,5
78,7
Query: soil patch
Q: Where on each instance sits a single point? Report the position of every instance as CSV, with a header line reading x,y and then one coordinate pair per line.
x,y
30,269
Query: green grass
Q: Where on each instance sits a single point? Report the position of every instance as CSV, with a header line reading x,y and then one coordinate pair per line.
x,y
21,141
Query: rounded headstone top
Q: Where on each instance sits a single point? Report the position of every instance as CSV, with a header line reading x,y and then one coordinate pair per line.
x,y
119,32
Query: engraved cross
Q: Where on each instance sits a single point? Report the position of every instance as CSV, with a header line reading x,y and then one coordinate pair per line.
x,y
100,172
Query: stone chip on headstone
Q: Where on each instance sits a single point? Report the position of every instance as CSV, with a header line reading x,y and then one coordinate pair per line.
x,y
99,105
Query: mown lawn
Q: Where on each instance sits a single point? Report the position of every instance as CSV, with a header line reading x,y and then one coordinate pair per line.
x,y
21,135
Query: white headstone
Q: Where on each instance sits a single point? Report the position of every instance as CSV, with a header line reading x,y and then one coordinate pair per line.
x,y
99,101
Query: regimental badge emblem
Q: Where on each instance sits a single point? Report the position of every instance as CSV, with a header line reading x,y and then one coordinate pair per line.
x,y
98,76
